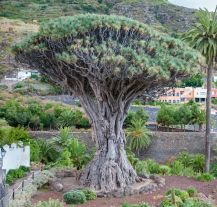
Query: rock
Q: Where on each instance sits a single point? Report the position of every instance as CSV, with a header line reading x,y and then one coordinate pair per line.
x,y
144,175
56,185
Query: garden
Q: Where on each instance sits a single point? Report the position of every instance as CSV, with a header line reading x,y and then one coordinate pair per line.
x,y
108,62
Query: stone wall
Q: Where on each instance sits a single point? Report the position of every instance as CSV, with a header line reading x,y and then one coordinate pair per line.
x,y
164,144
167,144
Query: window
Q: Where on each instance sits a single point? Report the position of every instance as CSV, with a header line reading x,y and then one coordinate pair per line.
x,y
174,101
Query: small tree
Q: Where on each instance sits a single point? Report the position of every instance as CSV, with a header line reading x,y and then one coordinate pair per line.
x,y
198,116
183,115
167,116
107,61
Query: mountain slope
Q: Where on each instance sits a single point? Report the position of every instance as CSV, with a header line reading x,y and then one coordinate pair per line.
x,y
157,12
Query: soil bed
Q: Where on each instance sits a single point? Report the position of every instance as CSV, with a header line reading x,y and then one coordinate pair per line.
x,y
207,188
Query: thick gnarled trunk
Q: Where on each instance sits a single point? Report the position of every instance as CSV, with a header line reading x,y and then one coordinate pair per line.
x,y
110,168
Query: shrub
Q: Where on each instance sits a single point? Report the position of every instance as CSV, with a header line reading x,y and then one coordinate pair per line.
x,y
192,192
35,151
198,161
48,151
79,154
49,203
83,123
172,201
188,172
139,114
18,135
164,169
213,169
69,118
90,194
13,175
205,177
176,168
65,158
153,167
74,197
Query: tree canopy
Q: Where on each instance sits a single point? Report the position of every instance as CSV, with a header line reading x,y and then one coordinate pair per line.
x,y
101,47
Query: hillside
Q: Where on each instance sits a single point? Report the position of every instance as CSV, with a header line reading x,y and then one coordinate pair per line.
x,y
158,12
21,17
10,32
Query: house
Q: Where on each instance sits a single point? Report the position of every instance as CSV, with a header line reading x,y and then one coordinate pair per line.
x,y
184,95
21,75
177,95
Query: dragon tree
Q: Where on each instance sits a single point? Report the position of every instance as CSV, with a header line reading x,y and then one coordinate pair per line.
x,y
107,61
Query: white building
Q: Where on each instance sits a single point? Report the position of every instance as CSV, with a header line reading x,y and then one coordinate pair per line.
x,y
21,75
200,94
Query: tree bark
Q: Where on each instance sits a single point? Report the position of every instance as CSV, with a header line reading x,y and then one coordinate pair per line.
x,y
110,168
208,118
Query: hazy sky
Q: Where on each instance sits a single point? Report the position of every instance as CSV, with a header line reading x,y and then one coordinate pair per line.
x,y
209,4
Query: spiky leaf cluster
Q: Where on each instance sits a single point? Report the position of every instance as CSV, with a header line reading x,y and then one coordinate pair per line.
x,y
101,48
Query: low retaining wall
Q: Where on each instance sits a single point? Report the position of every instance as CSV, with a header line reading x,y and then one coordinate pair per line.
x,y
164,144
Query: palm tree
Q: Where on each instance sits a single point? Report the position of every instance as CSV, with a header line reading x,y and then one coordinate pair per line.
x,y
138,136
203,37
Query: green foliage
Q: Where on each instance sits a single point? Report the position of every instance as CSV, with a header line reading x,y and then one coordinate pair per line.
x,y
89,194
195,161
10,135
19,135
46,150
205,177
138,135
36,115
138,114
65,158
193,81
164,170
79,154
166,115
69,118
203,36
192,192
180,198
64,137
153,166
35,151
74,197
176,168
157,59
49,203
13,175
185,114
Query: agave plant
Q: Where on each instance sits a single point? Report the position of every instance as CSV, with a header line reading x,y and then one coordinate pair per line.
x,y
138,136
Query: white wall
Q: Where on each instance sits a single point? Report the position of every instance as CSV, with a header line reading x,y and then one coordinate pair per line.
x,y
16,156
23,74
